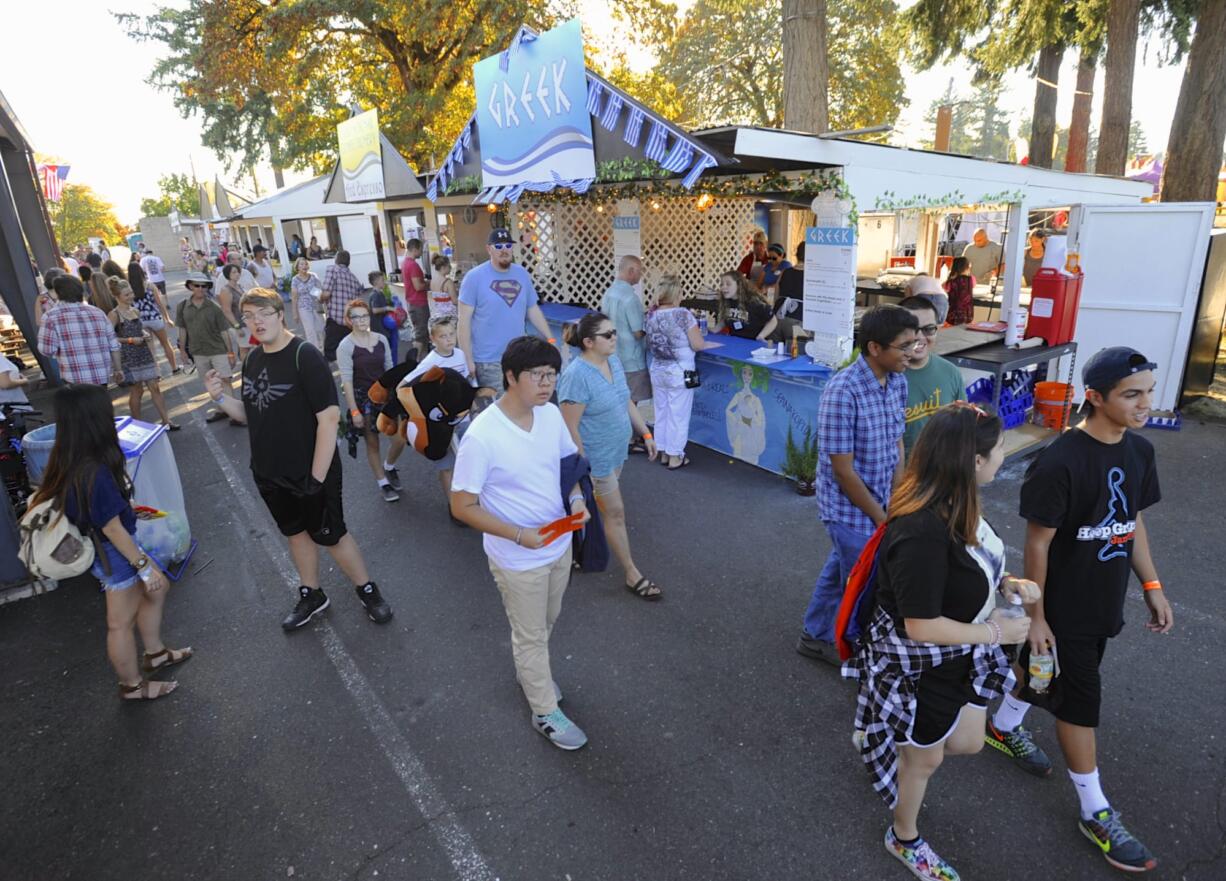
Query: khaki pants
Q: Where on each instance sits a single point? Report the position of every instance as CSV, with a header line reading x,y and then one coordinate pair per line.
x,y
533,599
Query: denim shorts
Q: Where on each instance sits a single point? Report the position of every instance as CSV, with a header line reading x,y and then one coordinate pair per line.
x,y
122,575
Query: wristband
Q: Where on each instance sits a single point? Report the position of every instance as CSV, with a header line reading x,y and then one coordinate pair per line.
x,y
519,533
574,499
647,435
355,412
1151,585
553,341
145,572
218,399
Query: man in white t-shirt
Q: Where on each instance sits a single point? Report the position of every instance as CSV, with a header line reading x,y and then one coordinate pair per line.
x,y
246,281
260,268
155,270
507,484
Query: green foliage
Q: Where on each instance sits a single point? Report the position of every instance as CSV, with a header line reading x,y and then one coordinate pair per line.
x,y
176,192
979,126
79,214
470,183
628,169
724,60
800,460
274,78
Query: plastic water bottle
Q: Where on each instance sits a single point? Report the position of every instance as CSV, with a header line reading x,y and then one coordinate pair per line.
x,y
702,324
1013,609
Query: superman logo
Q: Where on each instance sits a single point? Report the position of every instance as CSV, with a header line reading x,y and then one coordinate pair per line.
x,y
507,288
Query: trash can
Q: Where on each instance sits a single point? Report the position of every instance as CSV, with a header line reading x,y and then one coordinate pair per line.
x,y
36,446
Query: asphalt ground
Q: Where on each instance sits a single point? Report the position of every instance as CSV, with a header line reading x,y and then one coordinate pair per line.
x,y
348,750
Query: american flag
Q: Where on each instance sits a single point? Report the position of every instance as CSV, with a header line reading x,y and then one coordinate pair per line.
x,y
52,178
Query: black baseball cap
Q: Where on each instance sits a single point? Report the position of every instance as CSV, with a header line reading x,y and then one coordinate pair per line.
x,y
259,249
1108,366
501,236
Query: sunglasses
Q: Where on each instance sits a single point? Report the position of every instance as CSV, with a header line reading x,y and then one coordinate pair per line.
x,y
503,246
979,412
608,334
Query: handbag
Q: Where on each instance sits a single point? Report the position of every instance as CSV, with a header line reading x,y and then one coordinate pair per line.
x,y
691,378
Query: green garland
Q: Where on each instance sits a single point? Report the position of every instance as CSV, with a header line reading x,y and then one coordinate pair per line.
x,y
888,201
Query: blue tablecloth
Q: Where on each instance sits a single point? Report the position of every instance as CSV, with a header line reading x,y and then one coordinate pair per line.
x,y
743,408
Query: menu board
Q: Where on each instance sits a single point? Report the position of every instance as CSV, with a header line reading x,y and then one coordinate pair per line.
x,y
830,292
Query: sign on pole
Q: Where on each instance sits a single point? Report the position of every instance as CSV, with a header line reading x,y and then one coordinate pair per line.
x,y
361,157
627,234
830,291
532,111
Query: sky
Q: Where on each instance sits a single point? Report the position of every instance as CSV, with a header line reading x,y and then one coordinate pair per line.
x,y
97,114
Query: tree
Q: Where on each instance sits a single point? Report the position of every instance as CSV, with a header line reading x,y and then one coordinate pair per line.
x,y
726,58
1137,145
978,126
1079,126
270,76
806,75
176,192
1123,19
1194,148
79,214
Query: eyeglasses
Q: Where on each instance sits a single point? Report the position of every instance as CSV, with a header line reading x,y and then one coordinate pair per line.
x,y
249,317
543,377
929,330
905,347
503,246
608,334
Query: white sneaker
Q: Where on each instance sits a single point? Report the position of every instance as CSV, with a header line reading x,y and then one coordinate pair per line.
x,y
561,731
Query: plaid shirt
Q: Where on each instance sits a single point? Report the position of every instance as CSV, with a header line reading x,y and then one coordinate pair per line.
x,y
80,337
858,415
888,666
344,287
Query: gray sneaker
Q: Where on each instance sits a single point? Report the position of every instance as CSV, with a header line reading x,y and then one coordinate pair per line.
x,y
561,731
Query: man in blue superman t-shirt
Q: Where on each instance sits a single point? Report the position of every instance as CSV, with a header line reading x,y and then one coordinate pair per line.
x,y
497,298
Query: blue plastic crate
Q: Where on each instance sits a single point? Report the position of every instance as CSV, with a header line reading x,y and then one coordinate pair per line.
x,y
1166,423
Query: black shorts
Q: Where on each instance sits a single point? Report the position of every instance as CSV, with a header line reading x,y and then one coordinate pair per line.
x,y
318,514
161,286
333,334
1075,696
941,693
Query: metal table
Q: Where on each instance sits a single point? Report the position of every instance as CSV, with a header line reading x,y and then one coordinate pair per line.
x,y
998,359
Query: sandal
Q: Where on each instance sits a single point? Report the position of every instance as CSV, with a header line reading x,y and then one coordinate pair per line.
x,y
172,426
685,460
216,416
645,589
151,664
146,690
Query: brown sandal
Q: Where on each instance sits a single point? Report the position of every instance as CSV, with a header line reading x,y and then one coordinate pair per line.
x,y
645,589
173,656
146,690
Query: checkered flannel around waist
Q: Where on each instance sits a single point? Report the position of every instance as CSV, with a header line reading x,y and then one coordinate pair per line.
x,y
888,666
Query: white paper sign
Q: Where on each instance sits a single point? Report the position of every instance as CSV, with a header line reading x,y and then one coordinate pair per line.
x,y
830,291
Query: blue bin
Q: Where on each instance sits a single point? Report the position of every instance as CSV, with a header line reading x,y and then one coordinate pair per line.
x,y
36,446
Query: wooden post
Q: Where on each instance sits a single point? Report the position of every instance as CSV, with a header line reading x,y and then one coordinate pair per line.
x,y
945,121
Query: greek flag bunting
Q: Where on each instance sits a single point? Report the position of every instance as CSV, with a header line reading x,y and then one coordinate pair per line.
x,y
679,158
704,161
595,91
432,191
612,110
634,127
482,197
657,142
467,137
514,192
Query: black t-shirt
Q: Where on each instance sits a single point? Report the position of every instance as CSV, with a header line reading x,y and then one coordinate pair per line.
x,y
791,284
751,320
1090,492
282,392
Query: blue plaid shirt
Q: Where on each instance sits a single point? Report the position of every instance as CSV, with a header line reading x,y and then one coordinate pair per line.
x,y
858,415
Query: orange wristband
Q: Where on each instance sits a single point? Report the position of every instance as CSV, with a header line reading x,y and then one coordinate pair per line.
x,y
647,436
355,412
1151,585
553,341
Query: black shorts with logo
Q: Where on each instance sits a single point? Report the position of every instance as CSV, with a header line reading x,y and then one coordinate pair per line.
x,y
319,514
1075,696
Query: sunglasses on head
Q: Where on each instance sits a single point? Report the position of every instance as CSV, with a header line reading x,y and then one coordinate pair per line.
x,y
979,412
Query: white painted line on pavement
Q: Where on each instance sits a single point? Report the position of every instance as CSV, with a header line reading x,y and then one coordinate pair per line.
x,y
461,850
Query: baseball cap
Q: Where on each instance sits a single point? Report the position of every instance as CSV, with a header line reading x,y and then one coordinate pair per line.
x,y
258,249
500,236
1108,366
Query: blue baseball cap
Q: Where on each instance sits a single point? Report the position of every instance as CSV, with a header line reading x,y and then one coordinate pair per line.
x,y
1108,366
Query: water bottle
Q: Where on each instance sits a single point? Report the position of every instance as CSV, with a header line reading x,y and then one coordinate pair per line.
x,y
1041,668
702,324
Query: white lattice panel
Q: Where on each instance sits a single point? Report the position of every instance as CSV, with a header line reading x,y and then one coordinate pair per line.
x,y
568,248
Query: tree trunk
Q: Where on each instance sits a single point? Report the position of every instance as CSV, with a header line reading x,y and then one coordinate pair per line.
x,y
1079,125
806,75
1194,148
1043,121
1122,21
279,176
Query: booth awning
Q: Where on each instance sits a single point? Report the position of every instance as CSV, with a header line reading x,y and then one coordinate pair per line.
x,y
399,178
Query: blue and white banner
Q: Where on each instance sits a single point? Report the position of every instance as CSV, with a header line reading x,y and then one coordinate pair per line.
x,y
532,111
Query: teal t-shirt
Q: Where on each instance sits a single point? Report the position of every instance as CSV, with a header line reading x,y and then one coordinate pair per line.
x,y
929,388
605,426
622,306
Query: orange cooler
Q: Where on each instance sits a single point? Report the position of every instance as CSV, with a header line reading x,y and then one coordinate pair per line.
x,y
1054,298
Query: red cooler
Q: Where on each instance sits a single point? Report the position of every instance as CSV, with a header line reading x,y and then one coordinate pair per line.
x,y
1054,297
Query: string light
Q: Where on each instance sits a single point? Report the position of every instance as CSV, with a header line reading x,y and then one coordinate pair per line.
x,y
491,208
705,201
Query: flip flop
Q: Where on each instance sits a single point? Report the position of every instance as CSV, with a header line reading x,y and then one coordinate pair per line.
x,y
685,460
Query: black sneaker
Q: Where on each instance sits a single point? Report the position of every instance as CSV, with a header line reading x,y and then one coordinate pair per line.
x,y
1019,745
393,477
312,601
1119,847
377,608
389,493
818,649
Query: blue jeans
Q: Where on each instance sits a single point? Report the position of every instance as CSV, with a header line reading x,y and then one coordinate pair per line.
x,y
846,544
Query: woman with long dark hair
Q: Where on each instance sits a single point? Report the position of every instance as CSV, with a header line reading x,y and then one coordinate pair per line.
x,y
86,480
152,308
931,659
743,311
140,370
598,411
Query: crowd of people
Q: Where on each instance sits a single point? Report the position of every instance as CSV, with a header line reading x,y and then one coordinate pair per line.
x,y
539,457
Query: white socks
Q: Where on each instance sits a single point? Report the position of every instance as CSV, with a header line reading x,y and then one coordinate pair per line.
x,y
384,482
388,466
1010,713
1089,793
